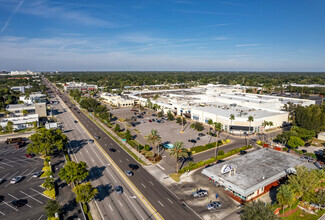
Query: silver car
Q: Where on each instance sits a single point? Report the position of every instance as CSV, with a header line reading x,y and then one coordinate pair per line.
x,y
128,173
200,193
16,179
214,205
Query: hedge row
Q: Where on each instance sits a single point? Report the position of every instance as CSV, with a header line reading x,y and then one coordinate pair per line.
x,y
200,148
213,159
307,154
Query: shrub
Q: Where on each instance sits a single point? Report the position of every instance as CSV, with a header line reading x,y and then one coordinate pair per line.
x,y
285,149
147,147
228,141
259,142
149,154
198,149
50,193
221,152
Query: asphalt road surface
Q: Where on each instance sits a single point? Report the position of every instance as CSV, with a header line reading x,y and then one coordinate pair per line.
x,y
164,201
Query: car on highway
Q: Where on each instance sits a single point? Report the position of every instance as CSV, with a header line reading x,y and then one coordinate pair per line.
x,y
29,155
133,166
112,150
97,137
16,179
200,193
192,141
37,174
19,202
214,205
91,140
118,189
75,121
128,173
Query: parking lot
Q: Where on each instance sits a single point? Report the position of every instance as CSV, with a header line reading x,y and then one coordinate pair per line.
x,y
169,131
13,162
195,180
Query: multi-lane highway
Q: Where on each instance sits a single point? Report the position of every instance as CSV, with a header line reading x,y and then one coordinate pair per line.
x,y
166,204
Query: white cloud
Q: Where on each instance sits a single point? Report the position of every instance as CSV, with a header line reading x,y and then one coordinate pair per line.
x,y
11,15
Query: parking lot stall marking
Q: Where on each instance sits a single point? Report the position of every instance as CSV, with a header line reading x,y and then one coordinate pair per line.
x,y
160,203
40,193
120,203
110,207
170,200
127,159
8,151
13,175
23,172
6,164
5,175
40,217
26,160
31,171
29,179
1,167
143,185
120,161
18,199
32,197
2,213
10,206
151,183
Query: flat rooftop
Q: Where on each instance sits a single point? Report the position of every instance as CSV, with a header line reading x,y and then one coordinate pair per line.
x,y
254,170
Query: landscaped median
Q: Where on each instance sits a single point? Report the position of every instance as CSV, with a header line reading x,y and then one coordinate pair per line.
x,y
198,149
48,184
193,166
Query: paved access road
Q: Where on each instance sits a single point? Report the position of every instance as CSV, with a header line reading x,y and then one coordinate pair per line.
x,y
164,201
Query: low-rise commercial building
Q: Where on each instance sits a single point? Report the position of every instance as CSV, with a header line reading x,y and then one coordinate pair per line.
x,y
36,108
33,98
117,100
253,174
20,88
80,86
20,123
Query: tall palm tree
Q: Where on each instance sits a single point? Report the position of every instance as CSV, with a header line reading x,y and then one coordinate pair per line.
x,y
217,129
178,151
153,138
232,117
210,122
250,120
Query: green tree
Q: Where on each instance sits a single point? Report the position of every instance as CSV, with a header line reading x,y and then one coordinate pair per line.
x,y
178,151
74,172
153,138
48,183
210,123
285,196
85,192
231,118
160,113
25,112
170,116
10,126
52,207
128,135
1,129
295,142
258,211
117,128
44,141
250,120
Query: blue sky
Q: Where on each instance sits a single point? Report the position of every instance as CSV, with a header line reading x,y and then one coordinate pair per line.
x,y
184,35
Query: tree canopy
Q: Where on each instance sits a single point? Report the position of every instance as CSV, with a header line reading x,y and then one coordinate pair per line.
x,y
44,141
258,211
85,192
74,172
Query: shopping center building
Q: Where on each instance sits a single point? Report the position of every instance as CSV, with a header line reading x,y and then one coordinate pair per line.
x,y
248,176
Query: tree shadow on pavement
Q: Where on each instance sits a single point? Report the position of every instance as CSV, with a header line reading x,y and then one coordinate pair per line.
x,y
69,206
95,173
185,160
76,145
103,191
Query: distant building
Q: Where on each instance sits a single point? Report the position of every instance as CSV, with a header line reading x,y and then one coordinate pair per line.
x,y
117,100
37,108
28,72
33,98
49,125
80,86
22,122
20,88
321,136
248,176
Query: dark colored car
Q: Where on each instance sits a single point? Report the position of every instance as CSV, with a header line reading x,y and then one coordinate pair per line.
x,y
118,189
19,203
112,150
201,134
242,152
192,141
75,121
150,121
214,205
97,137
133,166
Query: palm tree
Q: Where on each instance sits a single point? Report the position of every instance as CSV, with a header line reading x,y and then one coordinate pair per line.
x,y
178,151
210,122
250,120
153,138
217,127
232,117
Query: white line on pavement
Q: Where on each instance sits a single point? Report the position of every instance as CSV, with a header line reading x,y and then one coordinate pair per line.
x,y
6,164
151,183
13,175
10,206
39,193
2,213
170,200
160,203
120,203
110,207
40,217
160,167
23,172
120,161
29,179
134,207
127,159
31,171
31,197
5,175
143,185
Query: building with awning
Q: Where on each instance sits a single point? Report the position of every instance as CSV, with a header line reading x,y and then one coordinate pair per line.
x,y
253,174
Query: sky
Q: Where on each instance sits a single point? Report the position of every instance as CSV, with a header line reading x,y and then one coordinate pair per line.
x,y
162,35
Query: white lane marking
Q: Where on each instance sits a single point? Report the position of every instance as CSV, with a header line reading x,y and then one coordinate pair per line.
x,y
111,143
2,213
10,206
5,175
170,200
17,199
92,160
120,203
13,175
1,167
31,171
39,193
151,183
110,207
118,151
31,197
23,172
134,206
160,203
120,161
143,185
6,164
160,167
127,159
40,217
29,179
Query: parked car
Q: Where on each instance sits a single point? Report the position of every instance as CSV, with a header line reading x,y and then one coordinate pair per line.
x,y
19,203
150,121
30,155
201,134
16,179
153,119
118,189
37,174
2,180
214,205
200,193
192,141
318,165
20,144
128,173
133,166
242,152
154,115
